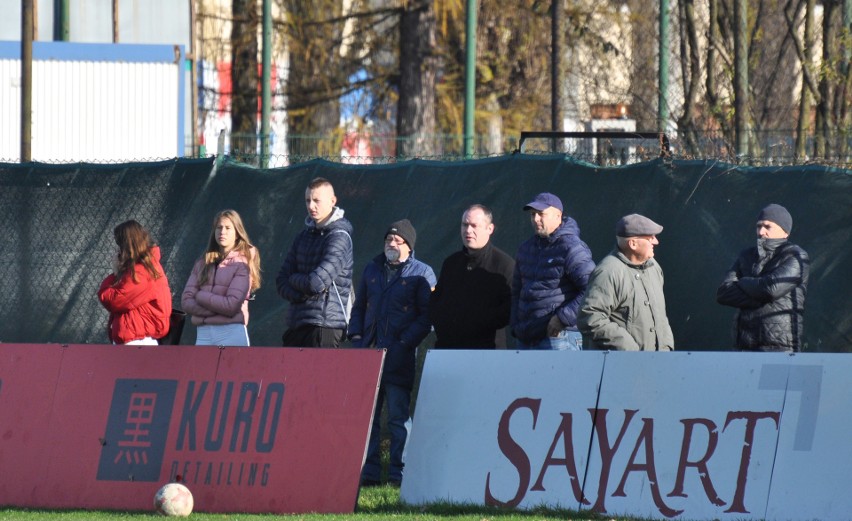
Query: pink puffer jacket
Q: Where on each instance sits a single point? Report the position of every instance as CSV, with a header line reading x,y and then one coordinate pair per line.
x,y
223,299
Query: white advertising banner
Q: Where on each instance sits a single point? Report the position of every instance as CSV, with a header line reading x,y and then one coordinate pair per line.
x,y
654,435
485,423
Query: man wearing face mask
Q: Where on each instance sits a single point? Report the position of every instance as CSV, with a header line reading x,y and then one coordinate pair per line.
x,y
767,284
392,312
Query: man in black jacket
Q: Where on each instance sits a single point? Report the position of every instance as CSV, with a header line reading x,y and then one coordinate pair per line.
x,y
472,300
768,284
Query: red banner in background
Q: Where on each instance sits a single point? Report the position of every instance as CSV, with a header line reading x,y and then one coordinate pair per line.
x,y
261,430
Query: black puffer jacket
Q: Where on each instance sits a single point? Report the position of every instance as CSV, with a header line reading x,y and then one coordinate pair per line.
x,y
768,284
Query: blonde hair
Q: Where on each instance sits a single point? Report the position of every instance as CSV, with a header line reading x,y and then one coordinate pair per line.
x,y
213,255
134,246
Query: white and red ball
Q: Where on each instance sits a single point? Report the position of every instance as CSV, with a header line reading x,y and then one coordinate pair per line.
x,y
173,499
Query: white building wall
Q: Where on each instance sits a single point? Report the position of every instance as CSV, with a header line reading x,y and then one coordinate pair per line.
x,y
121,103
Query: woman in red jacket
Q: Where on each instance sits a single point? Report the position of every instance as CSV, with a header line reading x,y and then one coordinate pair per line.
x,y
221,282
137,293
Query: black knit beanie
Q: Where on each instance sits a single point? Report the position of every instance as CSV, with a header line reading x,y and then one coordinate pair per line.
x,y
405,230
777,214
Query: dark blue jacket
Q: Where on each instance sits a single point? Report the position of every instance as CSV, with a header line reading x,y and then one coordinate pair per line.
x,y
551,275
318,256
393,314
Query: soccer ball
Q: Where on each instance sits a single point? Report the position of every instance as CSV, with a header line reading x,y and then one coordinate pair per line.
x,y
173,499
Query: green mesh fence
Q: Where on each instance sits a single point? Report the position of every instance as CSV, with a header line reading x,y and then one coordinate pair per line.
x,y
58,221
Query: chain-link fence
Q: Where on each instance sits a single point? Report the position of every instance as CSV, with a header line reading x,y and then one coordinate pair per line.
x,y
58,220
775,148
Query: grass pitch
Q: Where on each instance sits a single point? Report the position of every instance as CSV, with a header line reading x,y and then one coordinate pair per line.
x,y
374,504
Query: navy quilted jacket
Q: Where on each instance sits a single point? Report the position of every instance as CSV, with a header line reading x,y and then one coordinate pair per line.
x,y
318,256
394,314
551,275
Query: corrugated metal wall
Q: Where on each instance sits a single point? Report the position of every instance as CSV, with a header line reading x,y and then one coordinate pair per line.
x,y
95,102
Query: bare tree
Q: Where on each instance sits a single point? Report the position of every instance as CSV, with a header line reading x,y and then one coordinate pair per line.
x,y
318,74
690,52
824,121
418,64
244,76
805,50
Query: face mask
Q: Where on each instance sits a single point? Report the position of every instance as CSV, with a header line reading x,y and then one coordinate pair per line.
x,y
392,254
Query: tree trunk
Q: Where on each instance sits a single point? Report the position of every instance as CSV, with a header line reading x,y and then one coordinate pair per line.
x,y
713,68
803,123
244,77
691,63
415,124
842,103
824,124
494,122
741,76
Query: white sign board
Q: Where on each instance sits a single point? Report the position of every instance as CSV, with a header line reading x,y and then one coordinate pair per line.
x,y
654,435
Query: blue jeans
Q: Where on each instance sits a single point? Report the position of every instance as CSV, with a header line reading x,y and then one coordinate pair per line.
x,y
399,402
566,340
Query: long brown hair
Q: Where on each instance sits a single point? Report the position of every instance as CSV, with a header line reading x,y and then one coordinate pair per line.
x,y
213,255
134,246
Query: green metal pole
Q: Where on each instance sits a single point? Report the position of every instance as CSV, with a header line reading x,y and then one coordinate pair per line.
x,y
266,94
663,68
61,22
469,77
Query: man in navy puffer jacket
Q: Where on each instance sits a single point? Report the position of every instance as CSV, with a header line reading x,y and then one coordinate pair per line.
x,y
551,274
316,276
392,312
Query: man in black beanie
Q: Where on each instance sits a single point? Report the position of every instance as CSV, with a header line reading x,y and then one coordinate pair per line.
x,y
392,312
767,284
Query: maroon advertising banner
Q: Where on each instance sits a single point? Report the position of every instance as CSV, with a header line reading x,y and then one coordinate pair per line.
x,y
259,430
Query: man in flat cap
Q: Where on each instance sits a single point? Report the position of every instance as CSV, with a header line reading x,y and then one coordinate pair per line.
x,y
552,270
767,284
625,308
392,312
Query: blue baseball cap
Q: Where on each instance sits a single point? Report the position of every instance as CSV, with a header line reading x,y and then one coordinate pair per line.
x,y
543,201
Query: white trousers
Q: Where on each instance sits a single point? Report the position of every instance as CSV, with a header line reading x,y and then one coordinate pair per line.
x,y
147,341
222,335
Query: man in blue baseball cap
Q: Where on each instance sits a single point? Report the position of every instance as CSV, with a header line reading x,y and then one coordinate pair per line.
x,y
552,271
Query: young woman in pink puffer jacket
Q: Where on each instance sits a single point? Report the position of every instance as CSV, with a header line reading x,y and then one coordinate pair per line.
x,y
221,282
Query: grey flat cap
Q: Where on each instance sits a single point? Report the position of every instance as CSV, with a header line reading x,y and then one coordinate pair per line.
x,y
634,225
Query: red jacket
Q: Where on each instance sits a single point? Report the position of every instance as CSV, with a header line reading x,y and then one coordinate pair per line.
x,y
137,309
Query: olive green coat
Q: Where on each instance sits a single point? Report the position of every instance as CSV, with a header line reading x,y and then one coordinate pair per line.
x,y
625,308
